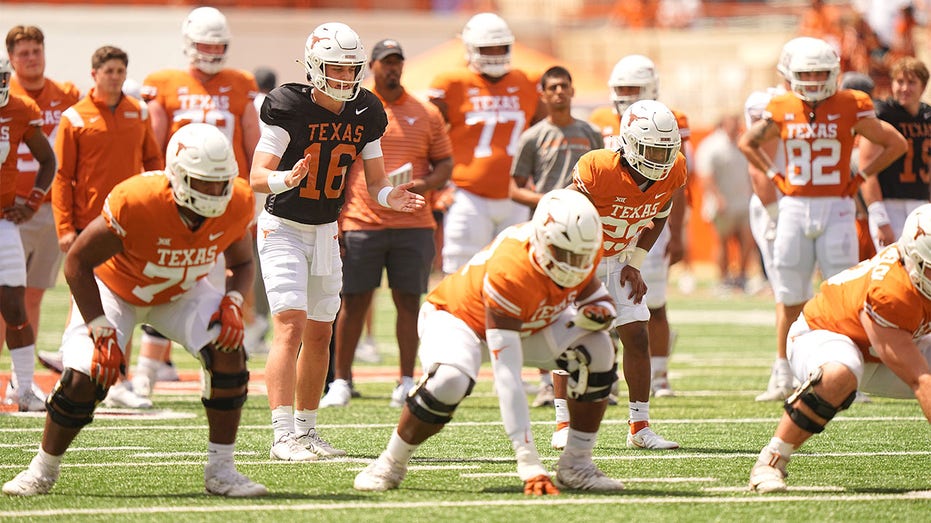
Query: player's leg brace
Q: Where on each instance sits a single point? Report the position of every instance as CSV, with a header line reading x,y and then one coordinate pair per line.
x,y
67,411
806,393
591,366
214,380
438,393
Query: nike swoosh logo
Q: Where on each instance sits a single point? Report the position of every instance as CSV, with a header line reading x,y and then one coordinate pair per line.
x,y
5,120
54,103
832,117
302,420
513,89
660,195
226,89
214,236
361,110
93,119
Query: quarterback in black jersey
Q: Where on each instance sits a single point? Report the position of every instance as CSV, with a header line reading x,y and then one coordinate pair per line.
x,y
903,186
311,134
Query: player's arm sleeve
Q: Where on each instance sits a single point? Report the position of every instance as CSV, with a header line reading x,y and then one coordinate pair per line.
x,y
63,183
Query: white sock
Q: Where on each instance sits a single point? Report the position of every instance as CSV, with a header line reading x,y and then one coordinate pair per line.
x,y
304,421
659,365
46,464
283,421
24,365
777,446
400,450
219,453
639,410
579,445
407,381
562,410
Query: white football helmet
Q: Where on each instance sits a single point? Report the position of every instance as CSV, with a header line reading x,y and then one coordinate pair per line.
x,y
566,236
6,73
487,30
206,25
915,247
334,44
813,55
650,138
633,71
200,151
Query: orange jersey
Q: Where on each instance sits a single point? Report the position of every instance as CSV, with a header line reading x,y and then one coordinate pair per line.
x,y
19,119
608,121
52,99
625,209
161,256
98,148
818,141
504,277
485,123
882,287
220,101
416,133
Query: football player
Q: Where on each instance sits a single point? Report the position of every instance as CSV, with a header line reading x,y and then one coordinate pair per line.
x,y
866,330
206,92
816,123
531,298
632,79
487,104
20,122
145,259
903,186
311,134
633,189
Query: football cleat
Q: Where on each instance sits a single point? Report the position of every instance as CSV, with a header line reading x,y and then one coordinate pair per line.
x,y
32,400
765,478
224,480
380,475
318,446
338,396
584,476
660,388
367,351
122,395
646,439
545,396
288,449
29,483
400,393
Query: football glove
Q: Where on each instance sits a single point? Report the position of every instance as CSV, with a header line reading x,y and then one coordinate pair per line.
x,y
595,316
107,362
540,485
229,317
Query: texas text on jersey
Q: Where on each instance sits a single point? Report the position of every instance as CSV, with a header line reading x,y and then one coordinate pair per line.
x,y
908,177
333,142
624,208
504,277
161,256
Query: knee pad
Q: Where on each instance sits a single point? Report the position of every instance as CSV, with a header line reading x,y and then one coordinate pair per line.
x,y
69,413
806,393
438,394
585,384
221,380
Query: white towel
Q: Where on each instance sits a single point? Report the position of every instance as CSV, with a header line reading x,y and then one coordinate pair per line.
x,y
325,248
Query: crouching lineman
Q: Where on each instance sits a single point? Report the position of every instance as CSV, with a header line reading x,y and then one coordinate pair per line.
x,y
532,298
866,330
155,241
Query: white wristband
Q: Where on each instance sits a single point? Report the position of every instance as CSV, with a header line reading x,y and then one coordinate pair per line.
x,y
878,214
276,182
383,196
771,173
636,257
236,296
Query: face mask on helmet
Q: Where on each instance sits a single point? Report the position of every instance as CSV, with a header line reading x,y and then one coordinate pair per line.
x,y
633,79
915,247
200,152
566,237
6,73
816,58
650,138
207,26
487,30
334,44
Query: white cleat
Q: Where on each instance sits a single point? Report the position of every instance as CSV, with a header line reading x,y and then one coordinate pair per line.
x,y
660,388
288,449
367,351
380,475
318,446
400,393
545,396
29,483
338,396
224,480
764,478
122,395
584,476
32,400
646,439
775,393
560,436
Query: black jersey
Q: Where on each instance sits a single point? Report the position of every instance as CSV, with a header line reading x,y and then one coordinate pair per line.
x,y
333,142
908,176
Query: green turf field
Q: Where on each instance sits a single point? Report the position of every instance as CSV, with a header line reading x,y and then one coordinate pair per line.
x,y
870,465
